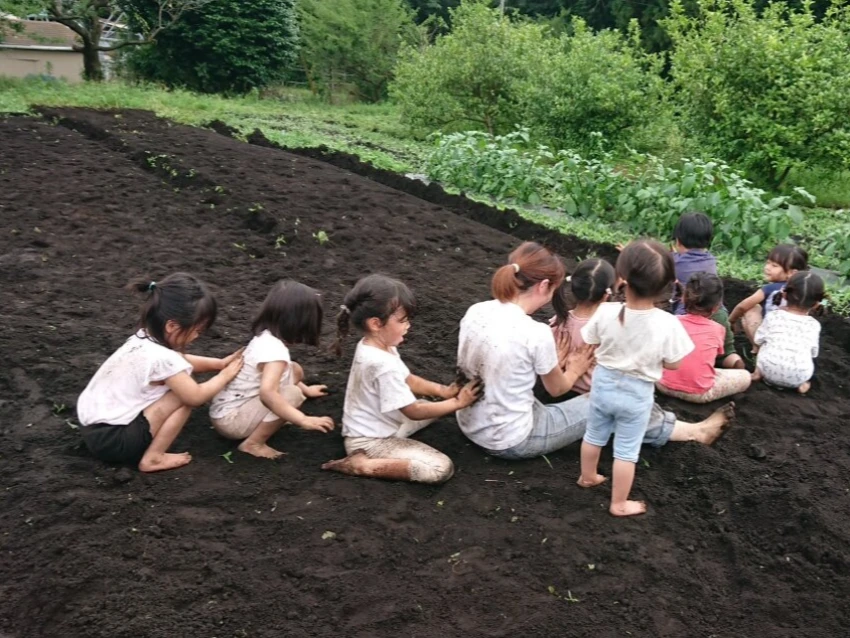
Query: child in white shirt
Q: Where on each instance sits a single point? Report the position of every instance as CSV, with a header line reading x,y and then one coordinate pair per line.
x,y
789,339
381,409
269,389
636,342
140,398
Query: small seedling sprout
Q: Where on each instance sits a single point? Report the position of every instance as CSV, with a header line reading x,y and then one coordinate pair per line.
x,y
226,456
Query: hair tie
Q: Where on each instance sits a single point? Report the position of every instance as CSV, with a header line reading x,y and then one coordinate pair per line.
x,y
151,286
345,309
516,268
569,278
608,291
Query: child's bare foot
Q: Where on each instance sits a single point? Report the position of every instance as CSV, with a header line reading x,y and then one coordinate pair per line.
x,y
716,425
628,508
353,464
598,479
805,387
259,449
161,462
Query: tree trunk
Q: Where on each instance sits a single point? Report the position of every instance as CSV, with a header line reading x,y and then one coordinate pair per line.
x,y
93,69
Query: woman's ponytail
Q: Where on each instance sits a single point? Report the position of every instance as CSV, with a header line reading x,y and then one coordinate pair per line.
x,y
527,266
343,323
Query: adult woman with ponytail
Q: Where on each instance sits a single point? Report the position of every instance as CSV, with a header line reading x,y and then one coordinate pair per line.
x,y
501,344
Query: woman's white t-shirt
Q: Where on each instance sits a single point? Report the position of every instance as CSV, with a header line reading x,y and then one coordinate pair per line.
x,y
641,344
264,348
129,381
508,350
377,390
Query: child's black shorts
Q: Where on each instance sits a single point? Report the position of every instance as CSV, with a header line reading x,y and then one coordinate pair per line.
x,y
118,443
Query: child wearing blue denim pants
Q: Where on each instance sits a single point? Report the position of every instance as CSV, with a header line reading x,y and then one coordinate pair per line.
x,y
636,341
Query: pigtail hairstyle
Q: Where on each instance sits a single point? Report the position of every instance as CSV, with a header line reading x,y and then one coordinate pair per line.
x,y
589,283
804,289
527,266
647,268
376,296
703,294
180,297
292,312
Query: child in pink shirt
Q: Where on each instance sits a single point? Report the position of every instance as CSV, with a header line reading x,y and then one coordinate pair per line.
x,y
590,285
697,380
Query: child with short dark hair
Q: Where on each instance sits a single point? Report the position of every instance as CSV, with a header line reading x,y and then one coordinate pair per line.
x,y
789,340
381,409
697,380
140,398
782,262
269,390
692,238
636,342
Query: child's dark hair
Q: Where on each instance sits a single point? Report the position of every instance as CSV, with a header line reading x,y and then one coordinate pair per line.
x,y
375,296
590,282
694,230
790,257
804,290
180,297
703,293
527,266
647,268
292,312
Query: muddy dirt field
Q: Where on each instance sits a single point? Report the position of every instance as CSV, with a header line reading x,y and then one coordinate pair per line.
x,y
747,538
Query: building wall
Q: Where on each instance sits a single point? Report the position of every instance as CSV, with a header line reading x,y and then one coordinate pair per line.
x,y
19,63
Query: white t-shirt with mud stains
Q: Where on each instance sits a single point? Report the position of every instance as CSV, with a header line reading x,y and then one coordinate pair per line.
x,y
377,390
508,350
129,381
264,348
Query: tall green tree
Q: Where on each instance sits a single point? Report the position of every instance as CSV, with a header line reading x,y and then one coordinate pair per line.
x,y
227,47
768,91
354,42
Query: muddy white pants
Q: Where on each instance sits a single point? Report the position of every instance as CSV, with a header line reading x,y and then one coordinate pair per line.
x,y
726,383
240,423
427,465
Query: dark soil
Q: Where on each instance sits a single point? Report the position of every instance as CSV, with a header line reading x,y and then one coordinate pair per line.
x,y
750,537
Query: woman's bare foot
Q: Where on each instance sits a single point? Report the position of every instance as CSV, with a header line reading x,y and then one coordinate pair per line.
x,y
805,387
260,450
716,425
628,508
592,482
353,464
161,462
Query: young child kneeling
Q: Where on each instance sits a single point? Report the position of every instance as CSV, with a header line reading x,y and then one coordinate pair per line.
x,y
269,389
381,410
697,380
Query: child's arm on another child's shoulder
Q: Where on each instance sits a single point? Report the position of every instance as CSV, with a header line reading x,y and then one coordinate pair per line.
x,y
210,364
750,302
195,394
271,397
421,410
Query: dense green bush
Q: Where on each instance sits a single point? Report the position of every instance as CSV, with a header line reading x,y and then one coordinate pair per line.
x,y
766,91
593,82
647,199
353,43
474,77
224,47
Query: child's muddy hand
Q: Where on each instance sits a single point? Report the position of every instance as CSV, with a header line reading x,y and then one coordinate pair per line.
x,y
470,393
315,391
226,360
320,423
234,366
620,247
450,391
582,360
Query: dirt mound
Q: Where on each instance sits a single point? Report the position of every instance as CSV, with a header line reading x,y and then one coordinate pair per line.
x,y
750,537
